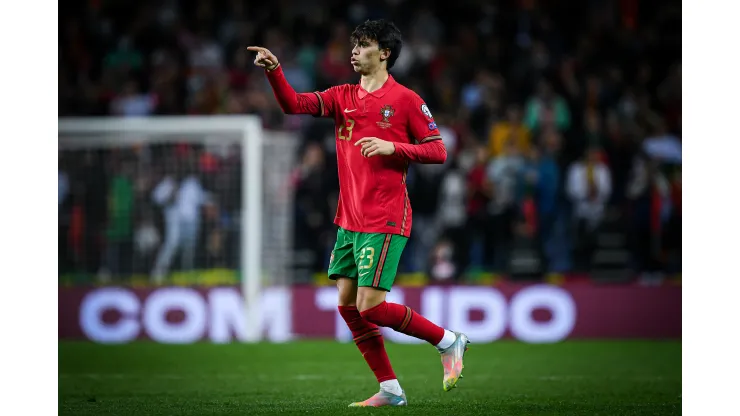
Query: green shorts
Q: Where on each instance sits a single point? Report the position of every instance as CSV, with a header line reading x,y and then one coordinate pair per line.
x,y
371,258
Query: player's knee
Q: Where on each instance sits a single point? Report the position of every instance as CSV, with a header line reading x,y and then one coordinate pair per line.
x,y
346,302
368,298
347,289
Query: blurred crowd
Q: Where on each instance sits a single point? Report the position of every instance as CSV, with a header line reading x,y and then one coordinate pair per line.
x,y
562,120
148,210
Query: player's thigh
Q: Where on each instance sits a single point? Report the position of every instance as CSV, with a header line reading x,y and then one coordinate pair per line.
x,y
342,261
377,256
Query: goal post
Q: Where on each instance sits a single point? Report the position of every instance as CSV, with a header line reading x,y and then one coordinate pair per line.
x,y
245,131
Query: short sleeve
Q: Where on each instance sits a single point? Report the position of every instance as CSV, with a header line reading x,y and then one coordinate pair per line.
x,y
422,127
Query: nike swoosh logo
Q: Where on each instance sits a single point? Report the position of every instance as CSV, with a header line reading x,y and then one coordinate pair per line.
x,y
347,110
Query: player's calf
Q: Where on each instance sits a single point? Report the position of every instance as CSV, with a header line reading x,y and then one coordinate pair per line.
x,y
369,341
367,337
405,320
451,345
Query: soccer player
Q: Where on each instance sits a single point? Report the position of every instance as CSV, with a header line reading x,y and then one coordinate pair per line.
x,y
381,126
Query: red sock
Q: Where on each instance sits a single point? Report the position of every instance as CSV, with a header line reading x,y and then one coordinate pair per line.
x,y
369,341
404,320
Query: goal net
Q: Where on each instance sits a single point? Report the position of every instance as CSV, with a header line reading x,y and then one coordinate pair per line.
x,y
175,201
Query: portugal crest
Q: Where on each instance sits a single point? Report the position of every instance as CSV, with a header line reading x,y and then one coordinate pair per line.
x,y
386,112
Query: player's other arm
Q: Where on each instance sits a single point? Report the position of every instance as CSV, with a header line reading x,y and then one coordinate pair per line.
x,y
431,151
428,152
430,148
290,101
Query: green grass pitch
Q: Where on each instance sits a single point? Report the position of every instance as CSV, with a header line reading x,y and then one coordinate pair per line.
x,y
323,377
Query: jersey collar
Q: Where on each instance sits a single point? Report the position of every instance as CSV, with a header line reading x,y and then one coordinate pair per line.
x,y
389,83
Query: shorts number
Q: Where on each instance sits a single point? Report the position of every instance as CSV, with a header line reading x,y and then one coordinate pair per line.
x,y
347,127
369,253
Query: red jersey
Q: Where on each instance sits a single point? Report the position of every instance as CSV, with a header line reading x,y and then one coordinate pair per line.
x,y
372,191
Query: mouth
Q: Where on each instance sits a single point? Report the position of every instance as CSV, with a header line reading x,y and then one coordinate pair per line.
x,y
354,61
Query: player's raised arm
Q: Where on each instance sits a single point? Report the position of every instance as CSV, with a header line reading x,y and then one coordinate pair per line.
x,y
265,58
290,101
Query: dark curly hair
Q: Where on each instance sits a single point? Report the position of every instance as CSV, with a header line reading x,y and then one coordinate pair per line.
x,y
382,31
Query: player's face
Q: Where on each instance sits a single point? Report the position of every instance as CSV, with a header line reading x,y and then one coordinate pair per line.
x,y
366,56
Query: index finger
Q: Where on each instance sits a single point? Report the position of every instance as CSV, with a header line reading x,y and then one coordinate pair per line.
x,y
256,48
364,140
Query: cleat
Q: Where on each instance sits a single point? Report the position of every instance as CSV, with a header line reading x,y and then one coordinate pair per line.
x,y
452,361
383,398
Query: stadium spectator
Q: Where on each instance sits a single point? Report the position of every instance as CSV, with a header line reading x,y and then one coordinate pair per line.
x,y
504,173
589,188
539,183
546,108
650,194
132,103
510,129
480,223
181,197
452,215
312,187
119,221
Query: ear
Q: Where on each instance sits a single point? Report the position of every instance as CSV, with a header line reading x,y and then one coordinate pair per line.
x,y
385,54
